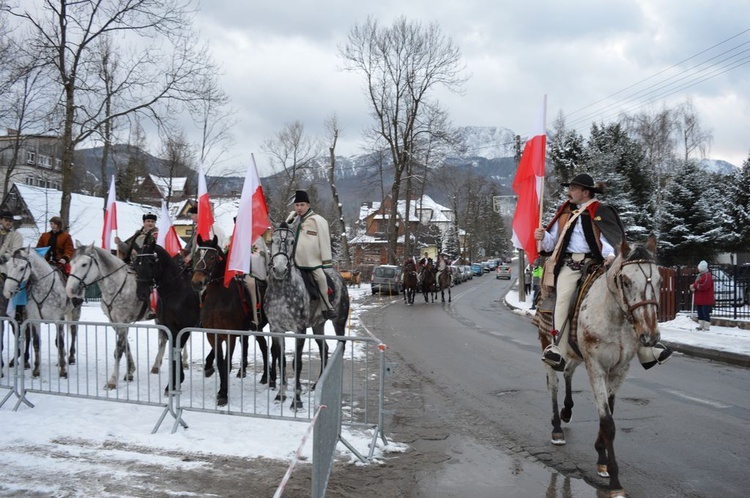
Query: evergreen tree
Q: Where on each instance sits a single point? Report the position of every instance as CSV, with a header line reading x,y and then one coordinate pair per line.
x,y
687,230
737,221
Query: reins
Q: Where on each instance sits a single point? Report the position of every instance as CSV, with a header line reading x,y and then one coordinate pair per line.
x,y
626,307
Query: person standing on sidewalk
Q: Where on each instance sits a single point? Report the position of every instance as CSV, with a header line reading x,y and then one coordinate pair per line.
x,y
536,279
703,293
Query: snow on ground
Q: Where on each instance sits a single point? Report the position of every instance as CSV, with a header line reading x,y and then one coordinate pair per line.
x,y
103,426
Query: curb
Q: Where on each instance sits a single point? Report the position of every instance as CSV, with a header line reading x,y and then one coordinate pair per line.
x,y
727,357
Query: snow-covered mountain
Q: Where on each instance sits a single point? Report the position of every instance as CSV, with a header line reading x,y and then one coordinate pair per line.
x,y
717,166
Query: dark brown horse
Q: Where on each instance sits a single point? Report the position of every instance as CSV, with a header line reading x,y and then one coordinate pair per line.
x,y
409,275
224,308
443,282
429,283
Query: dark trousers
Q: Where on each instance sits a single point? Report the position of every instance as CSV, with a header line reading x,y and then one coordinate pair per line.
x,y
704,312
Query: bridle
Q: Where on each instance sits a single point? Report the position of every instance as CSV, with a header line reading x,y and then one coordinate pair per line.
x,y
208,258
82,280
286,238
627,307
30,282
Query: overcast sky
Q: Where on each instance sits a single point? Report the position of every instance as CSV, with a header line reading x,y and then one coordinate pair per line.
x,y
280,63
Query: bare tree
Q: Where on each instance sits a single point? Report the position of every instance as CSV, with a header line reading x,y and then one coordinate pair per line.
x,y
177,159
402,65
159,77
694,137
332,126
292,154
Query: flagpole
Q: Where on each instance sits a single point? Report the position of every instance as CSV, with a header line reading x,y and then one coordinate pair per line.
x,y
541,193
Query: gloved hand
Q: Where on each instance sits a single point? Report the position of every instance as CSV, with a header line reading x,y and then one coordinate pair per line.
x,y
3,259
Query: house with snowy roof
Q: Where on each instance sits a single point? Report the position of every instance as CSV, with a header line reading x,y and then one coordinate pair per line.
x,y
428,221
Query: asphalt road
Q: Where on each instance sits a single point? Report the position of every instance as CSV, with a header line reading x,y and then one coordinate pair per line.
x,y
682,427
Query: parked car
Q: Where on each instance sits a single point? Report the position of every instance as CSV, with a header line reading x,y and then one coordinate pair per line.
x,y
492,264
386,278
467,271
476,269
503,271
458,274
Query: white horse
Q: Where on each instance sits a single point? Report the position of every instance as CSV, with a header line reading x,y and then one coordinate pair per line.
x,y
117,282
617,316
46,300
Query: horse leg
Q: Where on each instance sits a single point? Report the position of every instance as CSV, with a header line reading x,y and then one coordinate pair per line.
x,y
604,445
449,293
553,383
36,342
120,345
221,364
73,340
163,339
60,343
567,412
244,346
208,366
277,357
297,401
263,346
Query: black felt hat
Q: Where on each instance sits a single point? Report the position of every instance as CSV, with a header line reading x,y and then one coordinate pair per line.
x,y
301,196
149,216
6,215
585,181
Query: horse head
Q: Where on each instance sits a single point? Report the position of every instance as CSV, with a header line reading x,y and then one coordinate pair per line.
x,y
209,263
18,272
634,281
84,270
282,252
148,269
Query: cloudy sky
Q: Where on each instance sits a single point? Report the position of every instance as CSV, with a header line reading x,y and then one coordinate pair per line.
x,y
593,59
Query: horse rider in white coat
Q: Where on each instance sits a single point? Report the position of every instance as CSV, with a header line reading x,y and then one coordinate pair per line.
x,y
10,240
313,245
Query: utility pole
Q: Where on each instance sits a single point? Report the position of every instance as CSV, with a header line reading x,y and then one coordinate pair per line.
x,y
521,254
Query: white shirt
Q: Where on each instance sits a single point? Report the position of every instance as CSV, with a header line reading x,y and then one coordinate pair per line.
x,y
577,241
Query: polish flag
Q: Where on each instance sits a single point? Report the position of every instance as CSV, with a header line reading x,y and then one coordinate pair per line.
x,y
167,237
110,217
529,186
252,221
205,216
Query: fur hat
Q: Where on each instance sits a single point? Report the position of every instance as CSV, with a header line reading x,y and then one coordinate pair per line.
x,y
301,196
585,181
149,216
702,266
6,215
56,220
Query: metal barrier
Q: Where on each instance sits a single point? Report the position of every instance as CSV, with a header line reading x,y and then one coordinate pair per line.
x,y
362,398
10,354
327,430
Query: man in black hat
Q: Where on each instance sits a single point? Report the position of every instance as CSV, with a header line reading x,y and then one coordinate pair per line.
x,y
313,245
136,241
583,230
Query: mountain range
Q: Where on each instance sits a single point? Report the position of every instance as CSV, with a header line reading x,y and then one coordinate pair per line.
x,y
487,151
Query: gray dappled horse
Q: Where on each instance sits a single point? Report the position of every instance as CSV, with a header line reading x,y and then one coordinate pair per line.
x,y
117,282
618,314
45,300
289,307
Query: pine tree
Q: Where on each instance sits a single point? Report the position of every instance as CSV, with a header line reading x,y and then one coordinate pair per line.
x,y
737,221
687,230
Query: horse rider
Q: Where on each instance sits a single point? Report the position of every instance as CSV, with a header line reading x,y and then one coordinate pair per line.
x,y
136,241
444,264
583,230
312,245
258,271
424,263
188,252
61,248
10,241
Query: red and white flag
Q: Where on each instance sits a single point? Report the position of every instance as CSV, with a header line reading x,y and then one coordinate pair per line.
x,y
167,237
110,217
529,185
205,216
252,221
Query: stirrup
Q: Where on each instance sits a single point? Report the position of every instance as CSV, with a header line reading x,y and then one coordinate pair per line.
x,y
553,359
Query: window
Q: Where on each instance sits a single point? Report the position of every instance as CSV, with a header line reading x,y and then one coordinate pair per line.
x,y
30,157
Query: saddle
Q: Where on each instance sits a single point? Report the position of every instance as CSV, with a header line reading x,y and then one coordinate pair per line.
x,y
546,303
312,286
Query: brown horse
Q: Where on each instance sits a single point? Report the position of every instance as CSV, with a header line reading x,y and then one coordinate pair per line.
x,y
409,275
351,277
429,282
444,281
224,308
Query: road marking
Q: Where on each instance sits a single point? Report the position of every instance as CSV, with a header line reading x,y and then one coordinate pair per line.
x,y
715,404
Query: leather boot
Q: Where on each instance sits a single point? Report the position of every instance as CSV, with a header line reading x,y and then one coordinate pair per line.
x,y
650,356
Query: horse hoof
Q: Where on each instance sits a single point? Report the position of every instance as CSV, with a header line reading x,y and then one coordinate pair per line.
x,y
128,378
296,406
63,375
26,365
264,380
241,374
154,370
71,361
271,384
601,471
222,401
109,386
208,372
35,373
558,439
617,493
